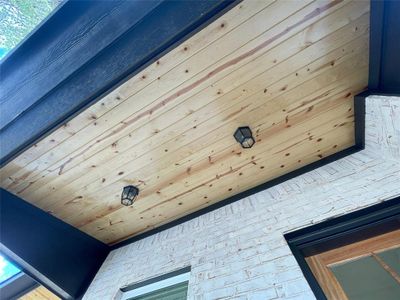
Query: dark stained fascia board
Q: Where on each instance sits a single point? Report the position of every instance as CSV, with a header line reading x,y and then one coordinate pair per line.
x,y
390,61
384,59
359,120
74,34
59,256
82,52
375,44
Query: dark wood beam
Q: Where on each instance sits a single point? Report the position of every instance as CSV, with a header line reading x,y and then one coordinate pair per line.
x,y
57,255
384,63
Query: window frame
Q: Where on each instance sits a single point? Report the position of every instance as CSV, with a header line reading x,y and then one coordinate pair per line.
x,y
154,284
336,228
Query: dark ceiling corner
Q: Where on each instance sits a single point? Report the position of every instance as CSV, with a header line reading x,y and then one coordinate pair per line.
x,y
384,47
60,257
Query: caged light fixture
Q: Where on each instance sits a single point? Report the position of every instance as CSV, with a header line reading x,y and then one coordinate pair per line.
x,y
244,137
129,194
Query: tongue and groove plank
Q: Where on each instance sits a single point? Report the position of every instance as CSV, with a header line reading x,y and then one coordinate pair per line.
x,y
180,174
65,192
89,194
232,19
39,293
199,195
134,137
279,121
120,215
168,118
165,211
275,15
85,138
109,166
132,169
109,137
141,104
168,129
183,207
156,184
146,202
100,208
69,193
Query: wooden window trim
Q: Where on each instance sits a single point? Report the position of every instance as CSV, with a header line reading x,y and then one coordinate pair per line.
x,y
336,227
320,263
361,249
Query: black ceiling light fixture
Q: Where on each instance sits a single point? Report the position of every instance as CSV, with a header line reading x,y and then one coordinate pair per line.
x,y
129,194
244,137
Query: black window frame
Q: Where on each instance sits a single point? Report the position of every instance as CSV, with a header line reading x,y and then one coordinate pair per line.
x,y
134,286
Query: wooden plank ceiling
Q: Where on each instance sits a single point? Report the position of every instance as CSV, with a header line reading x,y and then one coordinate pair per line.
x,y
287,69
40,293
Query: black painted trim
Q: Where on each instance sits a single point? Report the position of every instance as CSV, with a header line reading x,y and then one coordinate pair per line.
x,y
17,286
375,42
359,120
155,279
57,255
31,272
312,281
390,58
384,58
368,93
335,228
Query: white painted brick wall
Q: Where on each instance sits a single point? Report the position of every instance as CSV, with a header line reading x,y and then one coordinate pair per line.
x,y
238,251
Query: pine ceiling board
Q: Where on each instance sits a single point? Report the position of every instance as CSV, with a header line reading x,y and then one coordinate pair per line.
x,y
287,69
324,61
120,160
98,193
88,164
180,179
196,186
136,85
81,154
104,128
40,293
41,181
167,175
226,23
